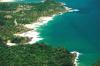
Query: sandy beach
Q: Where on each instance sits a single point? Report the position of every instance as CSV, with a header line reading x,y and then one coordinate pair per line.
x,y
33,34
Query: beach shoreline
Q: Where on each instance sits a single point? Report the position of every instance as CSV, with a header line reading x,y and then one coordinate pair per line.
x,y
33,34
76,60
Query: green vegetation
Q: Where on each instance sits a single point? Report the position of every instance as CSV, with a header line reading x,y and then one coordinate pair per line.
x,y
35,55
97,63
14,15
20,40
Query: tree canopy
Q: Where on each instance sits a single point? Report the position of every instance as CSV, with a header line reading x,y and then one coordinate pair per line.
x,y
35,55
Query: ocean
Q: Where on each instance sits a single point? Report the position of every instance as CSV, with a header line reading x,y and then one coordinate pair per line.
x,y
76,31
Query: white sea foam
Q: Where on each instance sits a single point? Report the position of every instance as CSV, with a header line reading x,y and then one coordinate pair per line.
x,y
76,58
63,3
74,10
71,9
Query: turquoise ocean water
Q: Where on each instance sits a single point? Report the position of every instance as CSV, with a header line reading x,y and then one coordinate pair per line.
x,y
77,31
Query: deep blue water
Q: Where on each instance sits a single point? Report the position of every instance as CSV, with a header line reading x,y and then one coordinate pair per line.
x,y
77,31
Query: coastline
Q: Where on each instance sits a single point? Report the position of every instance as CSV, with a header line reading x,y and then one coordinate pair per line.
x,y
33,34
77,54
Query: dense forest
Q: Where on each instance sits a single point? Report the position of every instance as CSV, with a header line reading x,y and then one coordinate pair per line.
x,y
35,55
